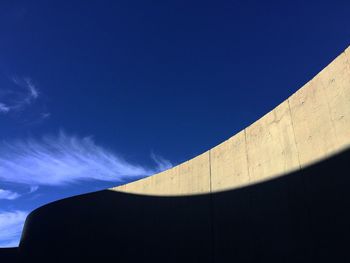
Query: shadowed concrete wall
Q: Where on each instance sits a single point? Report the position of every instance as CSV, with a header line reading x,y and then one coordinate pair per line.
x,y
302,216
310,125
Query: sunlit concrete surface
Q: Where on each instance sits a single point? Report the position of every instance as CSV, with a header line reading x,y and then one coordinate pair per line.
x,y
310,125
278,191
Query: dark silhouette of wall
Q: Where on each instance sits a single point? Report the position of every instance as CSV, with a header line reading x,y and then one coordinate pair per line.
x,y
300,217
8,254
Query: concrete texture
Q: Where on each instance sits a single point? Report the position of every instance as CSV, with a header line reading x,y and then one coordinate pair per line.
x,y
229,164
192,177
314,132
321,112
278,191
310,125
271,148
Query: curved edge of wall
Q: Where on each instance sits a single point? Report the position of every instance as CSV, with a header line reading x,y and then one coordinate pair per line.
x,y
311,125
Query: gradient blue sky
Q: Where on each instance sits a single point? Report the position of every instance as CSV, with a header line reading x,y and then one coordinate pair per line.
x,y
98,93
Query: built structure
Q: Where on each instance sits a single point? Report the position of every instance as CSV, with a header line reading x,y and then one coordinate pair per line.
x,y
278,191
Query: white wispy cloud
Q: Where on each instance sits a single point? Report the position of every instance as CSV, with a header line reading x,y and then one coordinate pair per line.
x,y
59,160
33,189
4,108
28,94
9,195
45,115
33,91
162,164
62,159
22,94
11,225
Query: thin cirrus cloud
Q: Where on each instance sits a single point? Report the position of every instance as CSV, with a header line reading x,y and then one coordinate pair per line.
x,y
33,91
59,160
4,108
28,93
63,159
11,225
19,95
8,195
162,164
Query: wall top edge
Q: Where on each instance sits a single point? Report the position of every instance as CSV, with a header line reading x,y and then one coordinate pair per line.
x,y
344,53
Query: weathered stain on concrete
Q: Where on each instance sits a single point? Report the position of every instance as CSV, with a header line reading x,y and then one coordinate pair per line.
x,y
271,145
310,125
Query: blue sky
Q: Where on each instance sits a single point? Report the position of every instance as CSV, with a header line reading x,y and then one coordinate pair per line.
x,y
98,93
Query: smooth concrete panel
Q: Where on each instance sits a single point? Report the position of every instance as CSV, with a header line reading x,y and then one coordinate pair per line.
x,y
314,130
310,125
153,185
335,81
198,172
191,177
141,186
166,183
229,166
271,145
321,112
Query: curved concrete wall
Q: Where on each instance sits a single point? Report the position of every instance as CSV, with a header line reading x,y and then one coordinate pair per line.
x,y
310,125
300,217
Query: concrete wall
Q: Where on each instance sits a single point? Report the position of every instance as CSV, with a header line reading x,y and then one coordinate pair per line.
x,y
190,177
302,216
310,125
